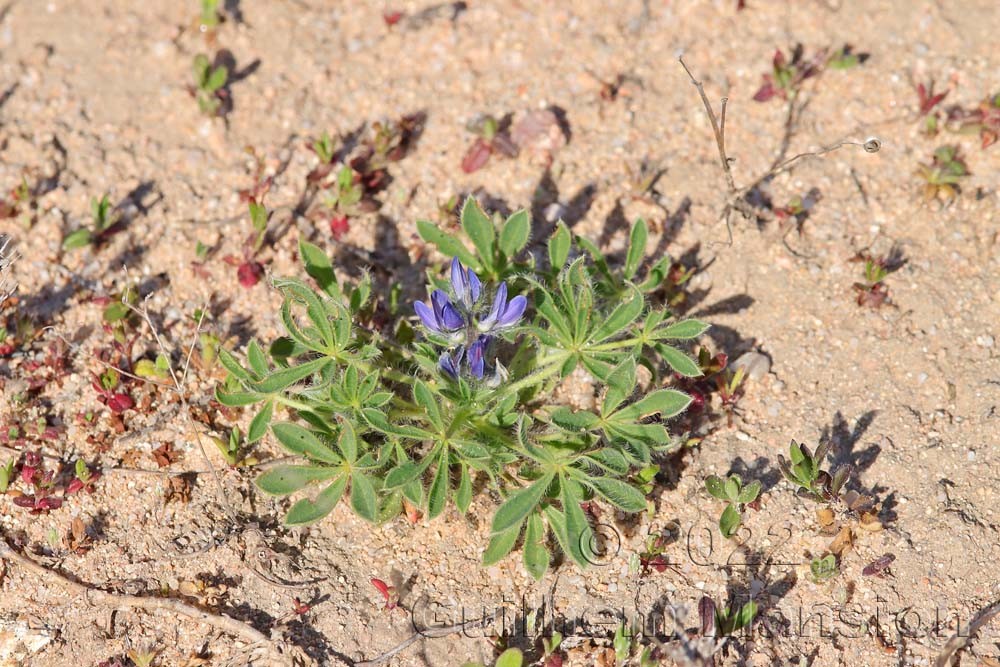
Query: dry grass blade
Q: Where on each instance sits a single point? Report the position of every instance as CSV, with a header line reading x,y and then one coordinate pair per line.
x,y
101,598
964,636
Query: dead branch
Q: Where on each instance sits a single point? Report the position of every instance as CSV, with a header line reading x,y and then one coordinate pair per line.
x,y
737,196
964,636
428,633
112,601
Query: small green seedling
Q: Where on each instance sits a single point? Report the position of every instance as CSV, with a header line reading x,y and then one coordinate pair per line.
x,y
736,496
104,222
622,643
209,85
230,448
942,177
512,657
210,16
823,569
726,621
804,472
873,292
153,370
344,197
550,650
984,120
6,475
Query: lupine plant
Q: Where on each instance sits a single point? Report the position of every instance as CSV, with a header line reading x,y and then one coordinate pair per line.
x,y
462,395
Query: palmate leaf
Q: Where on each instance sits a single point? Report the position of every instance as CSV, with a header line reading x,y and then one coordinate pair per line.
x,y
536,554
622,495
500,545
301,441
479,228
515,233
621,317
447,244
307,511
514,510
286,479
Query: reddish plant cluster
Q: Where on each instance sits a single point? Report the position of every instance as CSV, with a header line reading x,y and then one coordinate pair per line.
x,y
492,138
350,180
788,73
42,499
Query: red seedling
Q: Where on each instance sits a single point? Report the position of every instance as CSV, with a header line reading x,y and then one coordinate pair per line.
x,y
788,74
391,18
984,119
493,139
249,273
928,98
84,479
106,385
299,607
339,225
388,592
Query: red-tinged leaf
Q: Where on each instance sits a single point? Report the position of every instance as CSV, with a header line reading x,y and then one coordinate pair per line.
x,y
119,403
387,591
46,504
24,501
741,5
339,225
477,156
766,91
989,137
779,59
249,273
392,18
554,660
28,474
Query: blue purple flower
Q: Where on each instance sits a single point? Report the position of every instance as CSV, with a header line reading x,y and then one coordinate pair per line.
x,y
504,313
462,322
451,362
441,316
465,283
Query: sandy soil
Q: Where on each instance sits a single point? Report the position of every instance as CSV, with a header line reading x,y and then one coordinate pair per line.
x,y
95,99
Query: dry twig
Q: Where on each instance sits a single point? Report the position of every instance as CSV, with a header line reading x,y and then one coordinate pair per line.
x,y
737,199
112,601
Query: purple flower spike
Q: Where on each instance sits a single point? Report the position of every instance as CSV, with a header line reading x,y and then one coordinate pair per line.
x,y
450,363
503,313
477,353
465,283
441,316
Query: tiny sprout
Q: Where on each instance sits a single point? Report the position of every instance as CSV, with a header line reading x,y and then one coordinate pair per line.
x,y
943,175
512,657
323,148
823,569
788,74
736,496
209,85
150,369
726,621
492,139
6,475
984,119
210,16
230,449
104,222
